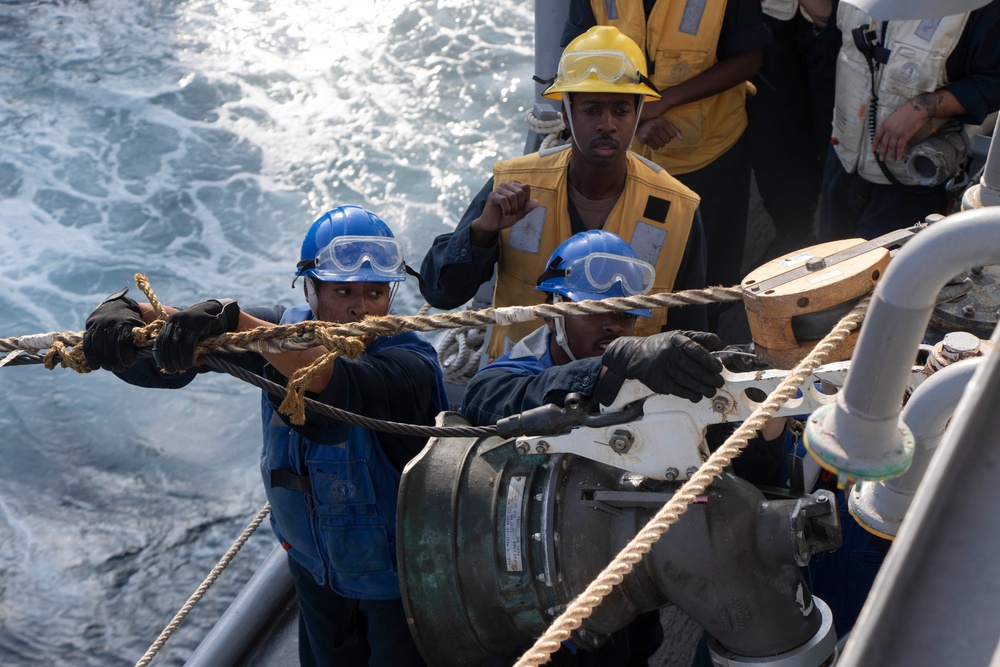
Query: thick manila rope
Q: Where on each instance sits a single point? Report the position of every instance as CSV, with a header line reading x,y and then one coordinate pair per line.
x,y
294,404
301,336
294,401
612,575
341,339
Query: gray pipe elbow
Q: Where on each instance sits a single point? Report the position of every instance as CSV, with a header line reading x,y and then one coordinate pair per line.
x,y
731,569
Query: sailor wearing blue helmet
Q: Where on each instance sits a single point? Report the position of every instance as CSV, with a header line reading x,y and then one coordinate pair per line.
x,y
592,354
332,486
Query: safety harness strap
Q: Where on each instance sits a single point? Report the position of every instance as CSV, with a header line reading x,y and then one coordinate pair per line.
x,y
289,480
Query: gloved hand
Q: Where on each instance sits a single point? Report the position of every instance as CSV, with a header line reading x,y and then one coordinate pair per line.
x,y
174,348
741,359
673,362
107,339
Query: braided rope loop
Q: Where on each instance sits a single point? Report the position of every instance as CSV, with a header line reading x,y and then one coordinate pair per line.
x,y
551,130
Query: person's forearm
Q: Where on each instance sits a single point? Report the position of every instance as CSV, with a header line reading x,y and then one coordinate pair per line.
x,y
898,129
939,104
287,363
482,237
448,285
149,314
720,77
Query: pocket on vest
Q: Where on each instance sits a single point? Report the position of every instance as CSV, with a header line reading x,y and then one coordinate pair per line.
x,y
911,69
358,549
343,488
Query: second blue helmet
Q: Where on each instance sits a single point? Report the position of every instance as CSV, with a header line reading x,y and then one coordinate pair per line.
x,y
596,265
351,244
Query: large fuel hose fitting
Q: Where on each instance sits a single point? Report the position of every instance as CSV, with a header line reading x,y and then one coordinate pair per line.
x,y
493,544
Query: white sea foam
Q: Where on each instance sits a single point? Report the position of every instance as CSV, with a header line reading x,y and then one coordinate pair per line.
x,y
194,141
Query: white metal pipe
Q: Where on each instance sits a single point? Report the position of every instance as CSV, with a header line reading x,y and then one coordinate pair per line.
x,y
934,601
861,435
881,506
906,10
928,412
550,17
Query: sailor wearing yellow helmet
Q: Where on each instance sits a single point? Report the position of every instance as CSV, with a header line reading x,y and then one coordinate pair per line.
x,y
701,55
535,202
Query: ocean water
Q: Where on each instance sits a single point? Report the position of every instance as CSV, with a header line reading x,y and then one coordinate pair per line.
x,y
195,141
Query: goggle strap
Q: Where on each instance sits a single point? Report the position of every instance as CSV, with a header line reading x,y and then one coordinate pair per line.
x,y
545,82
645,79
551,271
416,274
302,267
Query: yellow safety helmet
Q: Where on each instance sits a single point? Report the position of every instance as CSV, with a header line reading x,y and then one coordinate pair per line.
x,y
602,60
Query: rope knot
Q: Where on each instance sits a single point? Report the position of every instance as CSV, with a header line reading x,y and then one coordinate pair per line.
x,y
347,346
67,357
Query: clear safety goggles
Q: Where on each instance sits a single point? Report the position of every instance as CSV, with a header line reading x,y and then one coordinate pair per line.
x,y
346,254
610,66
599,271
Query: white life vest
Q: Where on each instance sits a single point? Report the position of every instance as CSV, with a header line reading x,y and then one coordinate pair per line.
x,y
918,52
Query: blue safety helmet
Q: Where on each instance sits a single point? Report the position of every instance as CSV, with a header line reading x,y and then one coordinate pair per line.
x,y
596,265
351,244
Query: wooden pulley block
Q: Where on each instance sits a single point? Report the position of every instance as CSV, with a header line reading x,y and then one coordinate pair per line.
x,y
794,300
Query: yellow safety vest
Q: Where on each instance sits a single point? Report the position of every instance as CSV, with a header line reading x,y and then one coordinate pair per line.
x,y
683,35
919,51
654,214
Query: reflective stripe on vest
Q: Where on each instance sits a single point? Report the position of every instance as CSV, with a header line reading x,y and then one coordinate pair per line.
x,y
654,214
683,35
918,55
344,532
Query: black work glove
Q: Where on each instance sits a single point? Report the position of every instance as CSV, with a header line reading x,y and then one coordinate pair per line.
x,y
107,340
673,362
174,348
741,359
